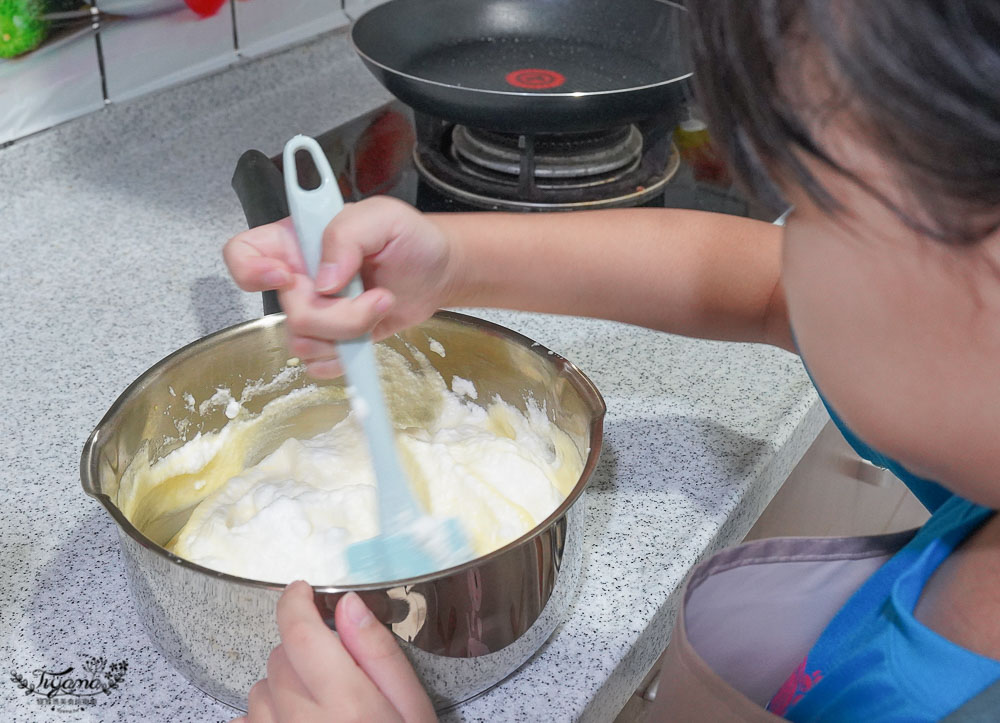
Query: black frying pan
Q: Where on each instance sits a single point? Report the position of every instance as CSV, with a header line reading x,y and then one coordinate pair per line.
x,y
529,66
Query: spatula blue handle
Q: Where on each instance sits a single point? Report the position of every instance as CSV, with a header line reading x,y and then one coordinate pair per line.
x,y
311,211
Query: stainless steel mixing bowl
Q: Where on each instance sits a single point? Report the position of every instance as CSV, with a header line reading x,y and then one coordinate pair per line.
x,y
465,629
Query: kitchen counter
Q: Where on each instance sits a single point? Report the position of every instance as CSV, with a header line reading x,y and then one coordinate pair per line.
x,y
112,227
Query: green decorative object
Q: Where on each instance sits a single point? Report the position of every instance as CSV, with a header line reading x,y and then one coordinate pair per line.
x,y
22,26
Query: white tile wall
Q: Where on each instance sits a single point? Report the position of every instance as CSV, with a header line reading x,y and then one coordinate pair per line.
x,y
357,8
58,81
144,53
263,26
146,45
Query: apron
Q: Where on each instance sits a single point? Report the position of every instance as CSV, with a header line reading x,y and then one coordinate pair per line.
x,y
750,614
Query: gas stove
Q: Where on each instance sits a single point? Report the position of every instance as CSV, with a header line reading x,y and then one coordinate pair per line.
x,y
437,165
486,170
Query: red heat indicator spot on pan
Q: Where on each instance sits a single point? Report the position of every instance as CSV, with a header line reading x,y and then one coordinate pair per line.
x,y
535,78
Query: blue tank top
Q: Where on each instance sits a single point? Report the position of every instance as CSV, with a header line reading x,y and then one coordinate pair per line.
x,y
875,662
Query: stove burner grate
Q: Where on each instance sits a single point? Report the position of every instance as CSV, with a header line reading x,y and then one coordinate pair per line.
x,y
623,166
570,155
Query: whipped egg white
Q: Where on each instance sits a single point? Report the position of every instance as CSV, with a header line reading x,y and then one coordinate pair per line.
x,y
497,469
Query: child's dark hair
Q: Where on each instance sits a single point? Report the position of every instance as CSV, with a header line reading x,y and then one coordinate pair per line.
x,y
921,77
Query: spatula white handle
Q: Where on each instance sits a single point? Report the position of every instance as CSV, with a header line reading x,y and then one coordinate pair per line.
x,y
312,210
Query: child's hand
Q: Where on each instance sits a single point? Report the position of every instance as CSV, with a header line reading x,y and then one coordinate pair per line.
x,y
403,258
316,677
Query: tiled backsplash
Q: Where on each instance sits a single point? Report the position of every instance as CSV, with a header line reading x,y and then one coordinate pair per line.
x,y
63,58
265,25
161,42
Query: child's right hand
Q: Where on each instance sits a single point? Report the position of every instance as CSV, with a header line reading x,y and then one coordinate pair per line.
x,y
318,676
404,259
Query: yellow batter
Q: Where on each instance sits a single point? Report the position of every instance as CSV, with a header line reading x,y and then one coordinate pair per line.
x,y
291,514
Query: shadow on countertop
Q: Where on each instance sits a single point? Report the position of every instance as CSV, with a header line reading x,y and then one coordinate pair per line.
x,y
216,303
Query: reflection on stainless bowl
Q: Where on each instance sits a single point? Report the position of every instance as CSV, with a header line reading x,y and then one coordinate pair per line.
x,y
464,629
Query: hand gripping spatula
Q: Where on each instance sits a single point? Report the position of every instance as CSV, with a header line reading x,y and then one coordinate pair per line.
x,y
409,542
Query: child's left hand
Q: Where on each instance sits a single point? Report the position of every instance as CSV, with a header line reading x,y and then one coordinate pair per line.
x,y
316,676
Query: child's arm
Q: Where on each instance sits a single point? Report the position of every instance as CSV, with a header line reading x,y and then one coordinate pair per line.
x,y
687,272
314,676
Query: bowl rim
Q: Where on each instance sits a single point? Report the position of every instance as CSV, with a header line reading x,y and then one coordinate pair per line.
x,y
588,391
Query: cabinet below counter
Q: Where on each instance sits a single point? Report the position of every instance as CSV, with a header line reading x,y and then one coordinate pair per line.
x,y
834,493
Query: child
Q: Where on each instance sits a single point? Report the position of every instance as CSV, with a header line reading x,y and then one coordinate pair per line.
x,y
880,123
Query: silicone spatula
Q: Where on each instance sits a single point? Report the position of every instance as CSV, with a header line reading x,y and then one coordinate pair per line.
x,y
409,542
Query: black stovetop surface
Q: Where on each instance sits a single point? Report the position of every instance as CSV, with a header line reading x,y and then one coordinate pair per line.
x,y
373,155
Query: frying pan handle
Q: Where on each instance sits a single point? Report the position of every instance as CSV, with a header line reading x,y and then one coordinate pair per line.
x,y
261,189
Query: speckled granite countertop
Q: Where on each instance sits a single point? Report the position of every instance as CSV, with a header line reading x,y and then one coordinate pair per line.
x,y
111,231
